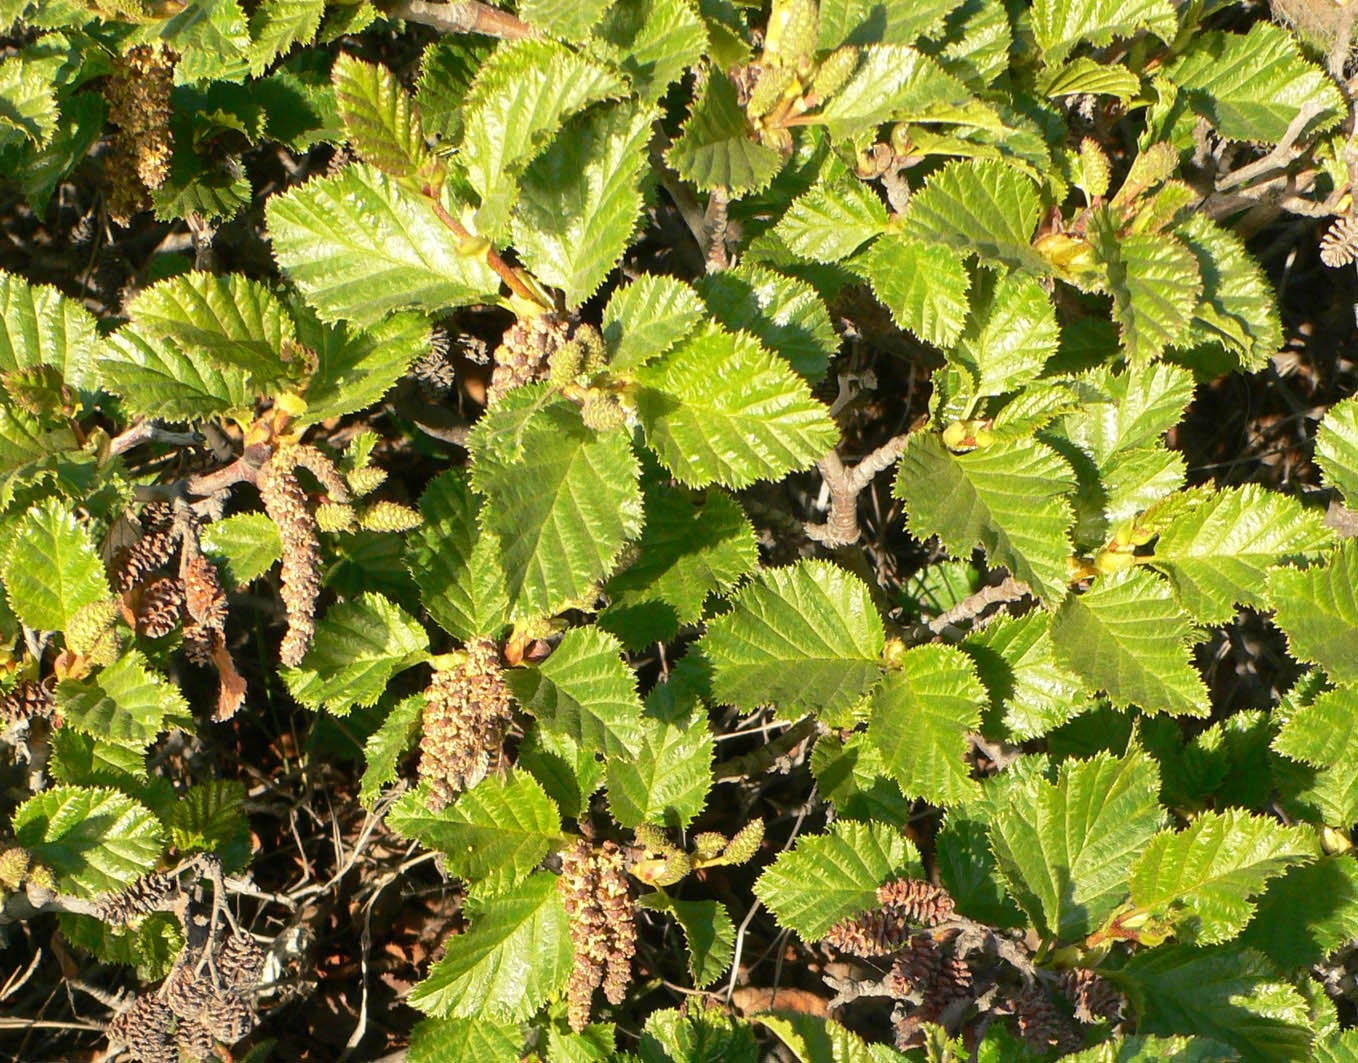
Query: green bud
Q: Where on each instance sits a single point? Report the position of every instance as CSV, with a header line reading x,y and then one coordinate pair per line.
x,y
653,839
564,363
602,411
835,71
768,92
88,623
390,517
366,480
709,845
793,32
106,649
1094,169
745,843
13,869
665,871
335,517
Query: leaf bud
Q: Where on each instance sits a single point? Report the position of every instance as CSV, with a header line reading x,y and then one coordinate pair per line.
x,y
40,878
390,517
89,623
13,868
834,73
793,32
1334,842
664,871
900,140
893,653
602,411
745,843
1111,561
770,89
709,845
1094,169
335,517
367,479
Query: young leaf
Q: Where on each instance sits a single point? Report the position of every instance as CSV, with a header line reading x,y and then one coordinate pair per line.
x,y
386,746
210,818
521,96
893,83
561,518
360,644
356,367
1217,552
568,771
92,840
579,200
28,101
806,638
1127,411
1017,662
715,149
708,931
586,691
923,285
243,546
833,219
668,780
357,246
1085,75
155,377
570,20
125,703
720,408
1059,25
1011,334
983,208
647,317
1336,1046
1213,869
465,1041
700,1035
51,568
1253,85
1127,637
40,326
454,563
1337,448
787,315
515,956
829,877
234,322
1317,608
1067,850
1008,498
1321,734
277,25
652,41
921,716
878,21
501,826
813,1039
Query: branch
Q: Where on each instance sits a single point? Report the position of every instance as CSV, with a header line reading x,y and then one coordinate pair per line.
x,y
762,759
1281,156
841,525
244,469
32,900
468,16
972,606
150,432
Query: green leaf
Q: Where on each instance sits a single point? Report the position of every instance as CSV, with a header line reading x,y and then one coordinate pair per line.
x,y
500,827
1219,547
1128,637
699,1035
568,772
652,41
1011,334
1317,608
878,21
1155,284
720,408
806,638
1227,993
157,378
1252,85
212,39
1307,913
357,246
1337,1046
1017,662
151,946
586,691
243,546
277,25
580,199
360,644
93,840
645,318
1156,1050
921,716
689,548
447,69
387,746
356,367
829,877
1084,75
1127,411
715,148
52,568
1207,875
1239,309
593,1044
983,208
1322,735
454,562
708,931
832,220
125,703
852,775
515,956
967,869
465,1041
28,100
787,315
40,326
923,285
1337,448
85,760
1008,498
521,96
570,20
893,83
1059,25
561,518
210,817
668,779
234,322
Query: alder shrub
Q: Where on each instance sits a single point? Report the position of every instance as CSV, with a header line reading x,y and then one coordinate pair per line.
x,y
589,607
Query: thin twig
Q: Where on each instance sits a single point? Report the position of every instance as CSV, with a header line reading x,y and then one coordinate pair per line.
x,y
493,260
841,525
762,758
468,16
1010,590
150,432
1281,156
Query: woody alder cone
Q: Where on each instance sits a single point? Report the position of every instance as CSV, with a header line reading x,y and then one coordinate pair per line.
x,y
524,351
285,503
593,885
145,1029
906,903
27,700
1093,997
153,892
204,596
161,606
466,710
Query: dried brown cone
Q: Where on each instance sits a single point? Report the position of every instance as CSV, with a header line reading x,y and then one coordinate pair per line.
x,y
241,961
285,503
1039,1023
198,643
188,993
916,969
466,711
919,901
153,892
161,607
204,596
28,700
1094,998
144,1028
524,350
876,933
598,902
434,370
138,92
1339,245
149,553
195,1041
229,1019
